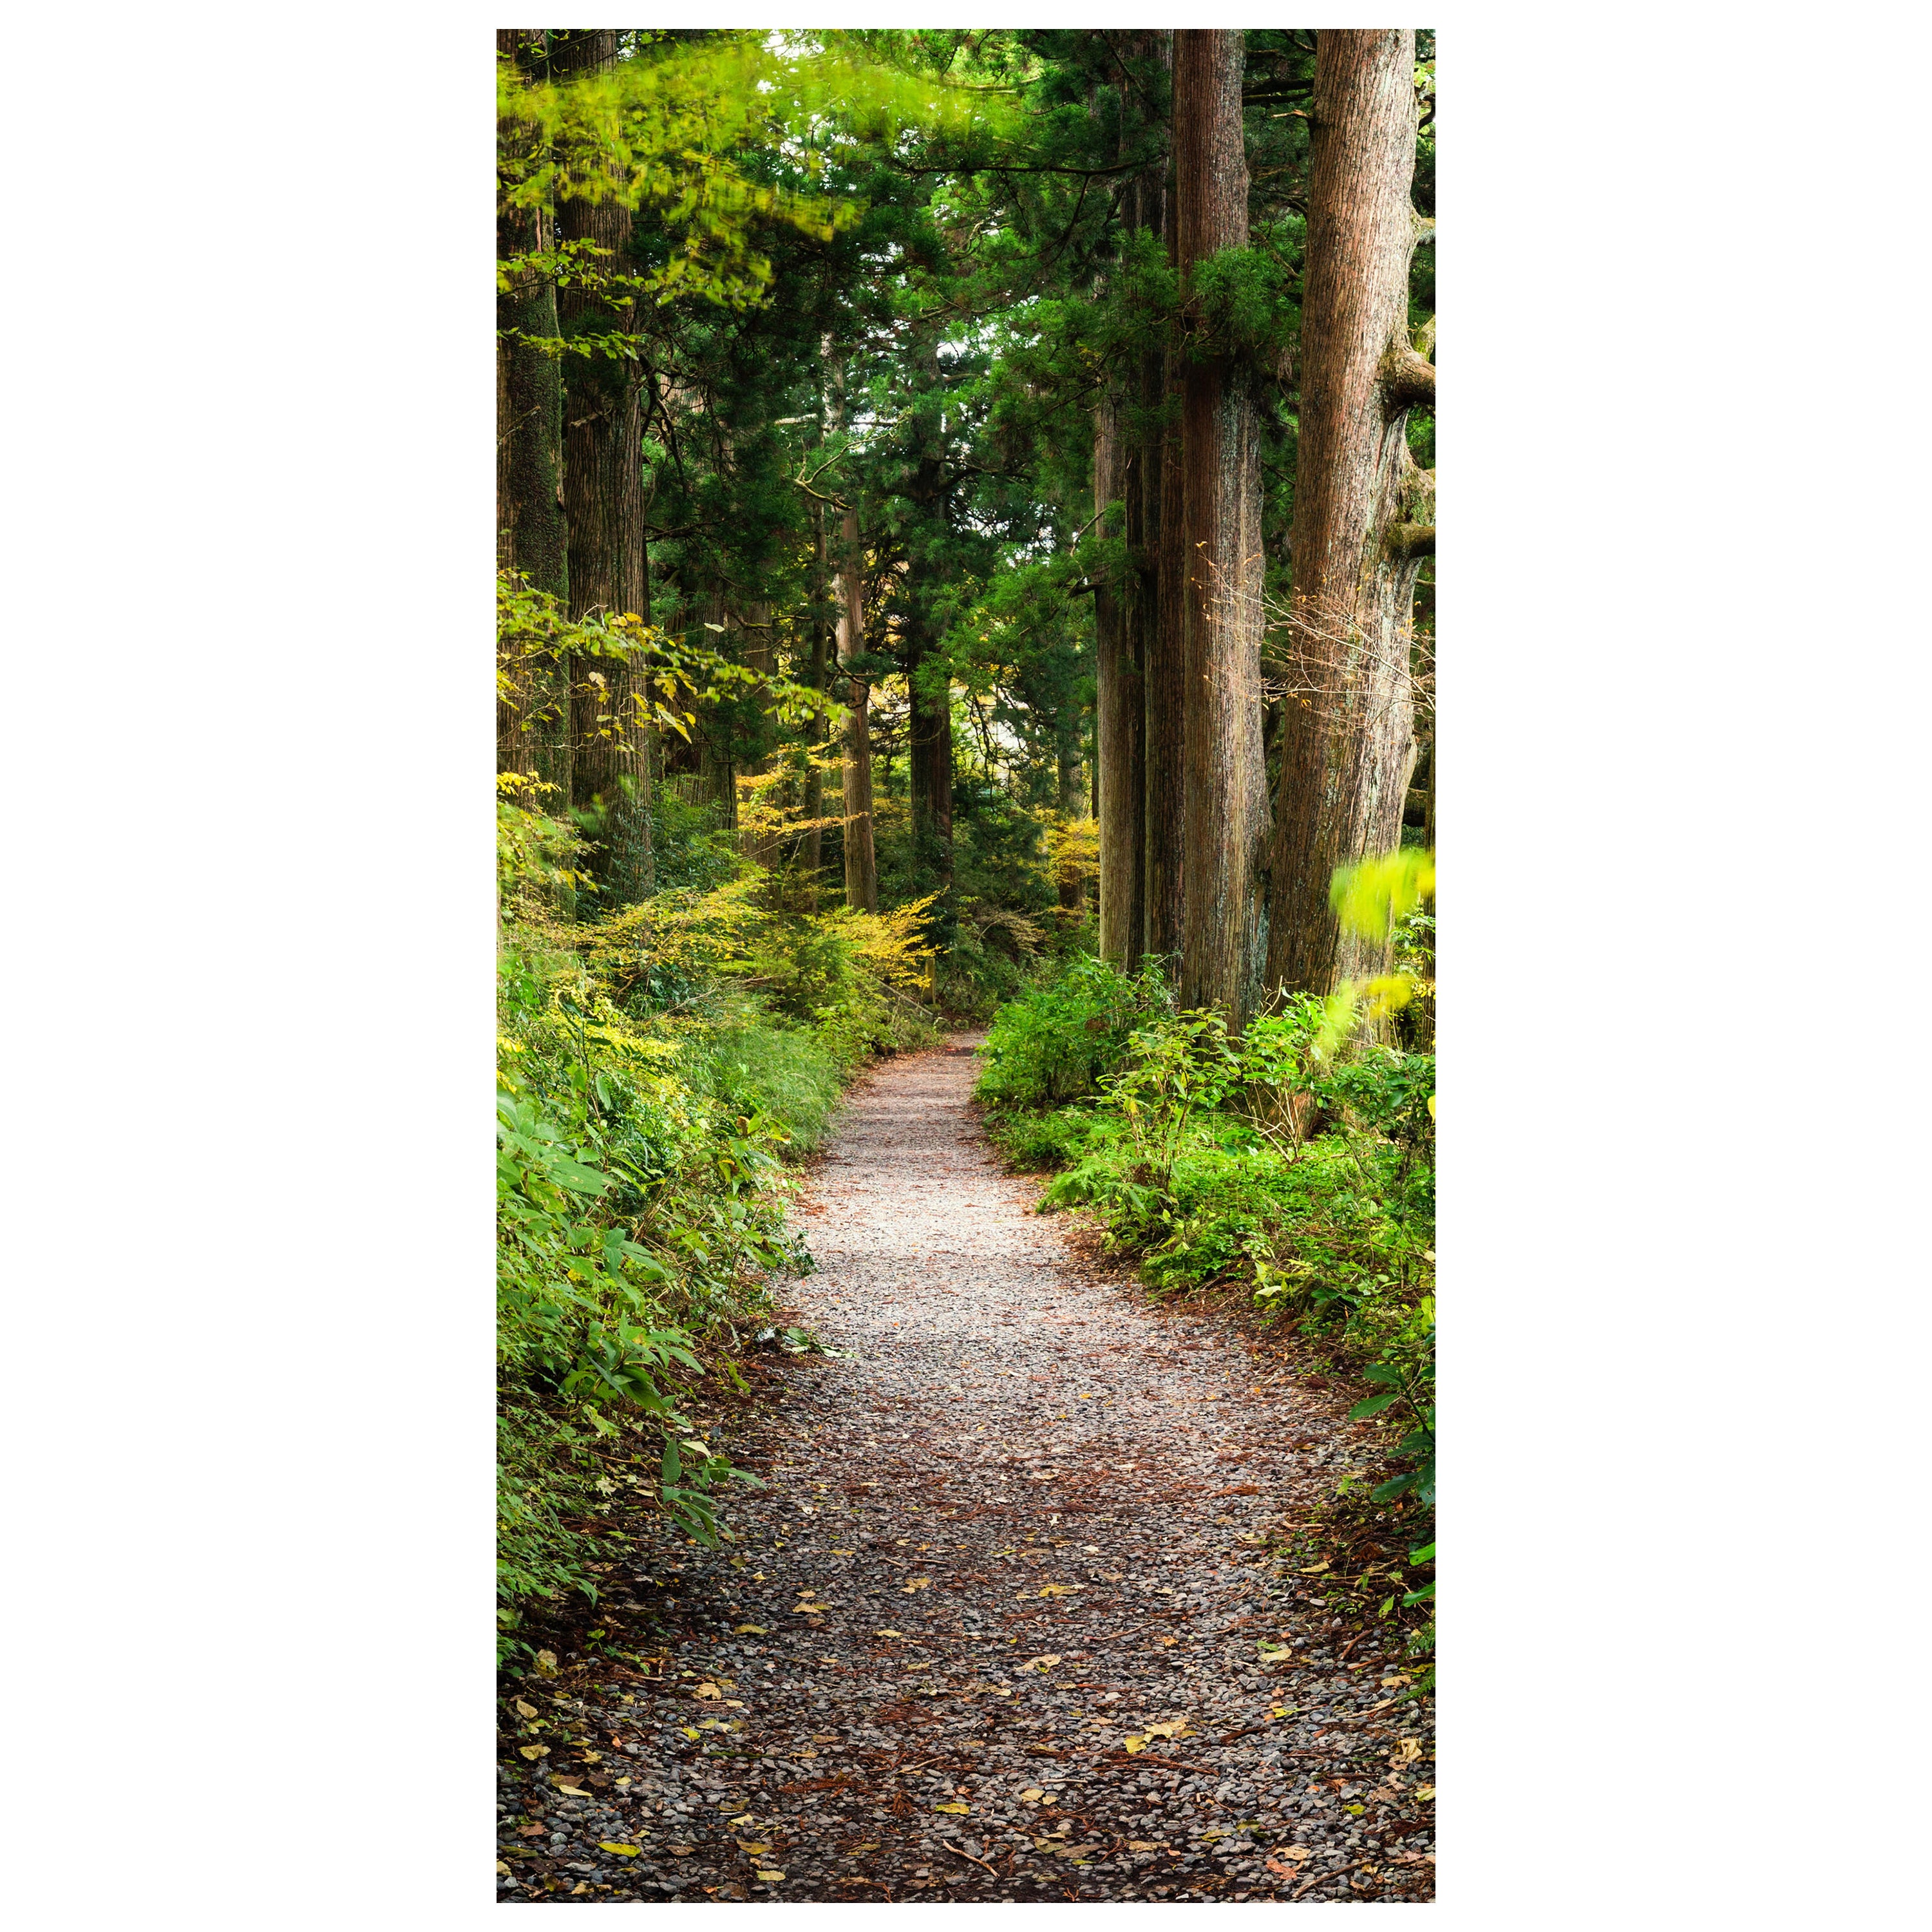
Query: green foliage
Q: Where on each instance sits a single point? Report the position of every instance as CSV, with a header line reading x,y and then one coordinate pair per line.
x,y
1056,1041
648,1095
1296,1160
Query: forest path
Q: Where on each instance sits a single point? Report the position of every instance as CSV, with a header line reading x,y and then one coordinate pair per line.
x,y
1000,1540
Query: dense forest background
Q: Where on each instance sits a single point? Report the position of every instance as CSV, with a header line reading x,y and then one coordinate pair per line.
x,y
966,540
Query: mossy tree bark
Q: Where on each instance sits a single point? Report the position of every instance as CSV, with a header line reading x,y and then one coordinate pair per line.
x,y
1224,780
1364,514
530,536
604,506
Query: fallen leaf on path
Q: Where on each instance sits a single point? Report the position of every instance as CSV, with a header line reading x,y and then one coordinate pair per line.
x,y
687,1730
533,1752
889,1633
526,1710
1168,1642
744,1819
913,1583
962,1810
1041,1663
503,1870
1406,1751
707,1691
1144,1844
750,1630
773,1876
1033,1795
546,1663
621,1851
1132,1744
757,1850
1060,1589
1171,1730
1425,1792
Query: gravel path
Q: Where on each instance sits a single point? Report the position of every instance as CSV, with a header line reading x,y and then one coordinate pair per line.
x,y
993,1630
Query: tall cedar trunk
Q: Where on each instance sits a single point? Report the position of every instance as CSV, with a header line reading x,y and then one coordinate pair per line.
x,y
1071,885
1223,779
1162,673
760,847
929,719
1122,614
604,505
862,864
1364,515
929,757
530,429
812,853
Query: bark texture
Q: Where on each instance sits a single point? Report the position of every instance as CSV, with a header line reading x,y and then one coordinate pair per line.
x,y
862,864
812,846
1223,778
1360,506
529,427
1128,445
1164,679
604,507
1120,727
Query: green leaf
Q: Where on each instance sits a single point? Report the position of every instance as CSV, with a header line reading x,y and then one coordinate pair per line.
x,y
1374,1404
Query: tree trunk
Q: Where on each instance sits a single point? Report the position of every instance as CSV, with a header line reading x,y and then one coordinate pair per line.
x,y
813,853
530,429
760,847
1224,780
929,764
861,867
1363,513
1127,464
604,505
1162,673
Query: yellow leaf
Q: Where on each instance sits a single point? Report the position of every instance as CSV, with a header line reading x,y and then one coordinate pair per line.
x,y
1131,1743
526,1710
772,1875
1060,1589
569,1790
918,1583
1172,1729
707,1691
758,1849
533,1752
1406,1751
962,1810
621,1851
1425,1792
503,1870
1169,1641
592,1757
1041,1663
546,1663
751,1630
687,1730
1033,1795
888,1632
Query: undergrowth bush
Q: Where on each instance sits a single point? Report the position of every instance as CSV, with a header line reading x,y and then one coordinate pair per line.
x,y
1298,1162
655,1068
1055,1042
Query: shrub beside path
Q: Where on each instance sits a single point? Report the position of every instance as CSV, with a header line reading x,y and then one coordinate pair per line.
x,y
1003,1626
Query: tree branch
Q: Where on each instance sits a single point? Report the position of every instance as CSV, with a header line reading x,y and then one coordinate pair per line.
x,y
1407,380
1404,542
